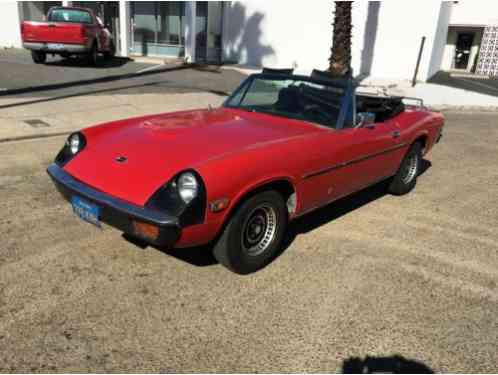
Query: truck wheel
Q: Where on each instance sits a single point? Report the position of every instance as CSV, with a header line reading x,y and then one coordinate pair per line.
x,y
254,234
406,178
93,55
108,55
39,57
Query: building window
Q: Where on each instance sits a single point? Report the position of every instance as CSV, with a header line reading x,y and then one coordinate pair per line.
x,y
158,28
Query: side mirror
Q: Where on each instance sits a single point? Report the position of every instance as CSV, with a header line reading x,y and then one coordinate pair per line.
x,y
365,119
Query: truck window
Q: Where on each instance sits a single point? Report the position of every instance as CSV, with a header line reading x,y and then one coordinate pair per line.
x,y
69,15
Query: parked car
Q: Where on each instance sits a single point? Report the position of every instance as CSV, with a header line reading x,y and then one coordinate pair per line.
x,y
68,31
279,147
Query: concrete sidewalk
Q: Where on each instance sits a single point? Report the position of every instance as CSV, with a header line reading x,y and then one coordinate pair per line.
x,y
437,96
63,111
74,113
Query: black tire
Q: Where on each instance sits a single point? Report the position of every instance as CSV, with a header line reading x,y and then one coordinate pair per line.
x,y
406,178
39,57
109,55
242,248
93,55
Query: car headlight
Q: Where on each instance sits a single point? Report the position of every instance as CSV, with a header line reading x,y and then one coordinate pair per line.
x,y
74,144
183,196
187,186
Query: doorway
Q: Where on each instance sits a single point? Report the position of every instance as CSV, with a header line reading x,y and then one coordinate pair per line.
x,y
209,30
463,48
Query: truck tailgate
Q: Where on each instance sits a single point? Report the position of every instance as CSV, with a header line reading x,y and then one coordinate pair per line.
x,y
53,32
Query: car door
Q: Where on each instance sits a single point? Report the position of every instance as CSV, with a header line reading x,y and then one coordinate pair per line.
x,y
343,161
376,152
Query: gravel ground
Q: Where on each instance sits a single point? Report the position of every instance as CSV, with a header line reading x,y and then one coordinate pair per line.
x,y
370,277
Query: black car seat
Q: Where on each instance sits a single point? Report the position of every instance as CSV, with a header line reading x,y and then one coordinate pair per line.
x,y
288,100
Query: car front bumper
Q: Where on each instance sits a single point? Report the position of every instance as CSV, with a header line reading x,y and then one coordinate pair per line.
x,y
63,47
116,212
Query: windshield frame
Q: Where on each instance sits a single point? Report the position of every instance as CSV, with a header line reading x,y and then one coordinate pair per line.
x,y
345,84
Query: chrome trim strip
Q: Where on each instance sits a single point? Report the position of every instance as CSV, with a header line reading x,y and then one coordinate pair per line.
x,y
357,160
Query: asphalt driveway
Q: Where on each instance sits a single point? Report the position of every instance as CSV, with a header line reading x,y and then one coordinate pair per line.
x,y
468,82
17,70
371,281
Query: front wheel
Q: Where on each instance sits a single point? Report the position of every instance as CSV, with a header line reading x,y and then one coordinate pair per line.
x,y
39,57
254,234
406,178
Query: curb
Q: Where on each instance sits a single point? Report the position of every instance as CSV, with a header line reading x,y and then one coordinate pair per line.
x,y
34,136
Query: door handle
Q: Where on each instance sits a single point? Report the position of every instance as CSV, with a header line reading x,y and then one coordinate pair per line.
x,y
51,25
396,134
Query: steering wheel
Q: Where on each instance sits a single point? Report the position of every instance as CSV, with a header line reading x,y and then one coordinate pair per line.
x,y
315,111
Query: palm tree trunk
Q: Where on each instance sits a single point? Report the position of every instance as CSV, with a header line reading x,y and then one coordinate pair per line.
x,y
340,54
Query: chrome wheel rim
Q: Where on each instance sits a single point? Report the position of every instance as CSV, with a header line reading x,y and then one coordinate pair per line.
x,y
259,230
410,169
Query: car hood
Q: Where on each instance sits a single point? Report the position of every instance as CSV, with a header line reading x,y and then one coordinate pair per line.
x,y
158,147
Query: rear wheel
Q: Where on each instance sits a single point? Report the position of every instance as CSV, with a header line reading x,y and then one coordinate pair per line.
x,y
93,55
39,57
108,55
254,234
406,178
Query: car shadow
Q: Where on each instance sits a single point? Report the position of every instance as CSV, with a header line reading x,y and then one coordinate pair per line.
x,y
82,62
395,364
339,208
202,256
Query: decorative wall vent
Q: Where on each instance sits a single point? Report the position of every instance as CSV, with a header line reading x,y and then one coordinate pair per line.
x,y
488,54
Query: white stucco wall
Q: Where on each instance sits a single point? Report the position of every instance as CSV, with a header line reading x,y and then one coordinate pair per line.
x,y
400,30
285,34
10,32
477,13
440,38
278,34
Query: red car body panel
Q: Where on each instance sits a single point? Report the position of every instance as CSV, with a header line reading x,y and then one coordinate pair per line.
x,y
236,151
67,33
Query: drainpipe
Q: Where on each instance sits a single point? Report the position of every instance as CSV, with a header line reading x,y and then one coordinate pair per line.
x,y
414,80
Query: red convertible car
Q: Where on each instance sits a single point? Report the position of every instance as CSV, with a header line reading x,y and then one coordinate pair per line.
x,y
279,147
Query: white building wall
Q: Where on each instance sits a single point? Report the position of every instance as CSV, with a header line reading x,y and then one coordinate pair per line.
x,y
10,28
401,26
475,13
440,37
278,34
386,35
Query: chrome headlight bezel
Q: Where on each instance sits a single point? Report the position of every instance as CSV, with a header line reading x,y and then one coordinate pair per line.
x,y
74,144
169,198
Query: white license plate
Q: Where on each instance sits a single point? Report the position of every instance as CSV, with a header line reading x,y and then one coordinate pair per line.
x,y
55,46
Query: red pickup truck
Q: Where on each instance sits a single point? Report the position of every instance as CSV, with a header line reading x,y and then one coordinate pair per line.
x,y
68,31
